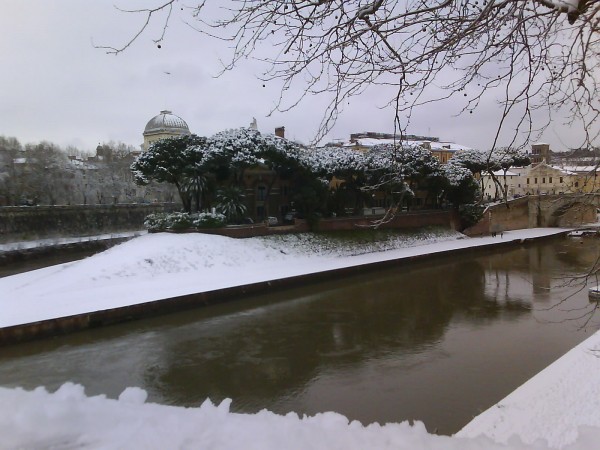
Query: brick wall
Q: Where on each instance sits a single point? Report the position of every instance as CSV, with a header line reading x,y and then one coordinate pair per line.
x,y
403,220
447,219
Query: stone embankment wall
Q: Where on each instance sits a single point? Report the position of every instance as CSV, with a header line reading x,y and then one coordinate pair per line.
x,y
497,218
538,211
39,222
447,219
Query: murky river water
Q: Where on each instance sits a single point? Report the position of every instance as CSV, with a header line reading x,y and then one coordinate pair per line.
x,y
439,342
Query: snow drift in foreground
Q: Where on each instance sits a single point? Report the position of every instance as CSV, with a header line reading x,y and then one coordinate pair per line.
x,y
69,419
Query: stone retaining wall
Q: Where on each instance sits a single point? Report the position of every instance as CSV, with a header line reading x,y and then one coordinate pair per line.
x,y
18,223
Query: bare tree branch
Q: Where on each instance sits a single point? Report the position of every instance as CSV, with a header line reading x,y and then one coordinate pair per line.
x,y
544,53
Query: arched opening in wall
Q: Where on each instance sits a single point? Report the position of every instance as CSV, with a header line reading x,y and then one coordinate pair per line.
x,y
572,214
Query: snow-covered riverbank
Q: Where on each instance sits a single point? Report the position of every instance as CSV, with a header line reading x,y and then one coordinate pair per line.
x,y
558,405
159,266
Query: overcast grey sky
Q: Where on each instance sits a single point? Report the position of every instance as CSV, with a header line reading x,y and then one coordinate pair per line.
x,y
56,86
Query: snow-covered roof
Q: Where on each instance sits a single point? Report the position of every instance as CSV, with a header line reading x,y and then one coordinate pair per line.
x,y
563,170
370,142
448,146
557,168
20,160
509,173
581,169
79,164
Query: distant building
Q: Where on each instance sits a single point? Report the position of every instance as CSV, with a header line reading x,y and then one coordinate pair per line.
x,y
510,181
577,157
366,140
543,179
540,152
162,126
406,137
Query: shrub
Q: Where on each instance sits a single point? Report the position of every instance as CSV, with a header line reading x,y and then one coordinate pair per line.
x,y
470,214
179,221
209,220
156,222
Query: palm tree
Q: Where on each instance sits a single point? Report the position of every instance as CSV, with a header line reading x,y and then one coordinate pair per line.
x,y
230,202
194,187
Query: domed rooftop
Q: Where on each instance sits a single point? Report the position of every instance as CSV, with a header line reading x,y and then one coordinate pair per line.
x,y
167,122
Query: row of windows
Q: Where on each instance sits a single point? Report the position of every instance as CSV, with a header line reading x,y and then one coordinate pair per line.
x,y
535,180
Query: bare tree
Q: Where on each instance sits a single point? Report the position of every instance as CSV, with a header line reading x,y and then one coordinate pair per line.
x,y
47,180
542,55
10,184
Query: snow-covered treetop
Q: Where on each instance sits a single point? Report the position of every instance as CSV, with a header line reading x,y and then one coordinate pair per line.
x,y
456,174
410,160
394,163
487,162
172,160
248,147
329,161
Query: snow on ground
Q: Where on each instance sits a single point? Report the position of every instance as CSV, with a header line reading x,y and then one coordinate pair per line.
x,y
553,405
560,405
68,419
164,265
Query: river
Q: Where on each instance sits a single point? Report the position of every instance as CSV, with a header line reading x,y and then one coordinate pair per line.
x,y
439,341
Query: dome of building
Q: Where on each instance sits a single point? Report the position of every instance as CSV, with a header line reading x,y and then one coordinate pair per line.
x,y
165,125
166,121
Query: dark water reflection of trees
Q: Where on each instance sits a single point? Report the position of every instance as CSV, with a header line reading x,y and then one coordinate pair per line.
x,y
261,352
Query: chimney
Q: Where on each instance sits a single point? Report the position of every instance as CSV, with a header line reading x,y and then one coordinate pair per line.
x,y
280,131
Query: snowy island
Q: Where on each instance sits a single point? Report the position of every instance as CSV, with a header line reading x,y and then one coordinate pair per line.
x,y
559,408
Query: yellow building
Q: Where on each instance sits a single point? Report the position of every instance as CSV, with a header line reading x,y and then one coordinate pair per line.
x,y
587,178
165,125
546,179
442,151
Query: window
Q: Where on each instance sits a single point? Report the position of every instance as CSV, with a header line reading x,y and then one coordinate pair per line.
x,y
550,180
527,180
261,193
577,184
544,180
560,179
535,180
